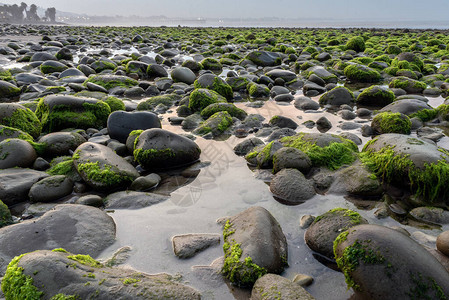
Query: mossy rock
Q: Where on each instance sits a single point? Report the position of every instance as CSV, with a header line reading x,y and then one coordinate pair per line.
x,y
150,103
214,83
103,64
114,103
356,43
388,122
216,124
375,96
8,90
337,96
409,85
361,73
111,81
7,132
233,110
5,215
325,228
324,149
51,66
256,90
265,58
237,83
211,64
101,168
20,117
201,98
58,112
382,263
409,57
409,162
158,148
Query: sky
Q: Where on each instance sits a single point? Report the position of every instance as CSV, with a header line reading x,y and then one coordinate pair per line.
x,y
326,9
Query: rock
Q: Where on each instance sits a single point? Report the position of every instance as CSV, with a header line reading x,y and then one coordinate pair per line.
x,y
191,122
8,90
145,183
361,73
5,215
272,286
375,96
216,124
112,81
183,74
87,278
90,200
188,245
19,117
101,168
305,103
132,200
337,96
356,180
50,66
264,58
121,123
158,148
303,280
323,124
214,83
430,215
291,158
325,228
284,98
311,89
283,122
264,157
247,145
382,263
201,98
78,228
387,122
409,85
16,183
280,133
443,242
42,56
410,160
51,189
322,73
233,110
279,73
58,112
256,90
290,186
61,143
254,245
306,221
12,133
16,153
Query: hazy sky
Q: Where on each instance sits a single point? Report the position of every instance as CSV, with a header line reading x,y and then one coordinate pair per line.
x,y
343,9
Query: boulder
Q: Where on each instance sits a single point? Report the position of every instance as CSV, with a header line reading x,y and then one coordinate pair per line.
x,y
61,143
383,263
132,200
121,123
290,186
16,153
337,96
158,148
19,117
254,245
101,168
272,286
51,189
188,245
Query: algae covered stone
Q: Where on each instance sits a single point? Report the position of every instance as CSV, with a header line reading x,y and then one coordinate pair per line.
x,y
387,122
112,81
382,263
216,124
375,95
159,148
18,116
201,98
102,168
233,110
417,164
409,85
254,245
215,83
361,73
58,112
324,149
8,90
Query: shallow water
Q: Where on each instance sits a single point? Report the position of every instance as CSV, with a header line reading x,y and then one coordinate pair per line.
x,y
224,188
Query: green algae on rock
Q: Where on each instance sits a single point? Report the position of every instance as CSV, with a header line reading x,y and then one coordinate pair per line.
x,y
387,122
215,124
20,117
201,98
324,149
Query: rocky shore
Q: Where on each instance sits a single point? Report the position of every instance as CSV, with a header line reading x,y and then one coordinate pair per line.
x,y
220,163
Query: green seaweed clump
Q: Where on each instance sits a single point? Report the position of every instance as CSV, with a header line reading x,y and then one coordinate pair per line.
x,y
425,115
25,120
217,124
86,260
115,103
150,103
152,158
361,73
430,182
233,110
103,174
353,255
63,168
241,273
16,285
201,98
112,81
388,122
356,43
332,156
65,297
218,85
355,217
211,64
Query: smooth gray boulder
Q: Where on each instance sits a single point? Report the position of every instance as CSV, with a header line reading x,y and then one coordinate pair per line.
x,y
272,286
51,189
290,186
132,200
188,245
